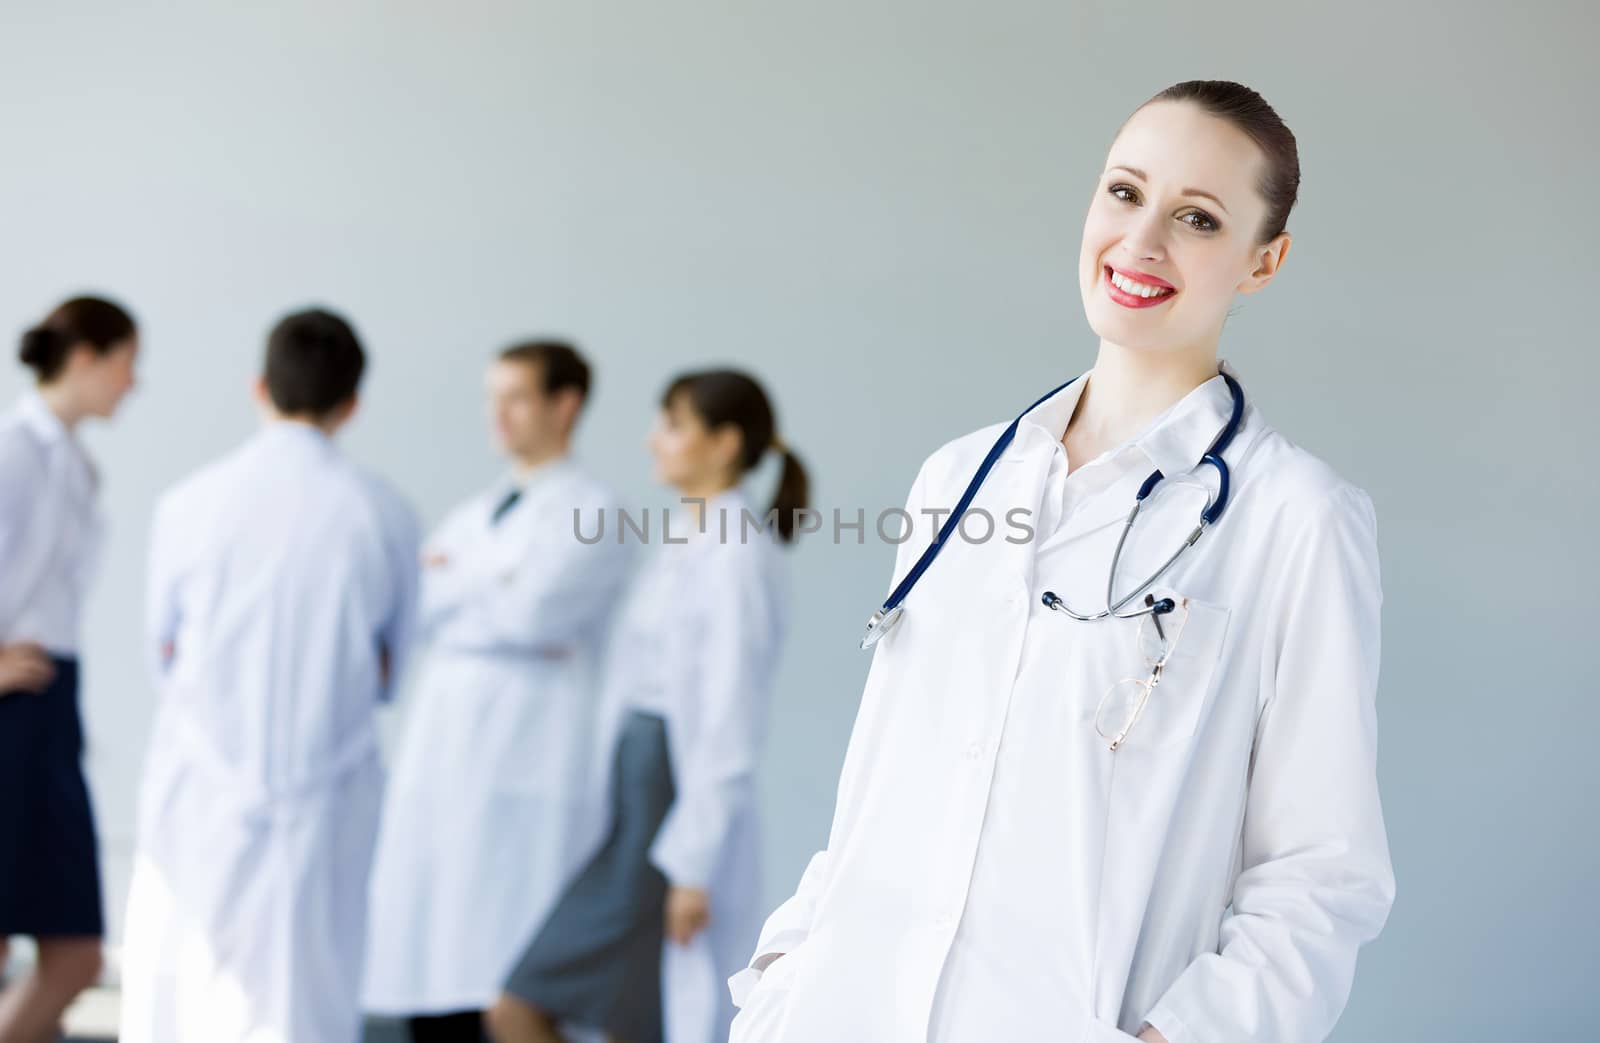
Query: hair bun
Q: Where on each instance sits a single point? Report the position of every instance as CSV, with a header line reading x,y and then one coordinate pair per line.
x,y
38,345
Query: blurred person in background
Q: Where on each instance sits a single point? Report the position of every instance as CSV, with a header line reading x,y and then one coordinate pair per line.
x,y
282,587
640,943
82,357
482,821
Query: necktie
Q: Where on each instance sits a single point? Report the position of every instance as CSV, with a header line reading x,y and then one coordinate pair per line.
x,y
504,506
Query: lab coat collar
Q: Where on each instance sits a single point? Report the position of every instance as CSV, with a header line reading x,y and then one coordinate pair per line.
x,y
1177,439
536,487
730,504
732,501
551,468
297,433
1174,441
41,419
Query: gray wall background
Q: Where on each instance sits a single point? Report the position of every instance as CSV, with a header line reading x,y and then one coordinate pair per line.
x,y
877,208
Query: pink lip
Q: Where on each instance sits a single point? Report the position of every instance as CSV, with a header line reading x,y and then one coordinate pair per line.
x,y
1128,300
1144,277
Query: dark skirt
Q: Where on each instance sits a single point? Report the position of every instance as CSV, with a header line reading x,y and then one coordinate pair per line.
x,y
49,863
596,961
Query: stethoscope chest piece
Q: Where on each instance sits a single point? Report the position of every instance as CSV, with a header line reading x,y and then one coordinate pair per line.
x,y
880,623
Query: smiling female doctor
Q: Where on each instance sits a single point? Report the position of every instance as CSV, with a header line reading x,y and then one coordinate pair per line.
x,y
1164,821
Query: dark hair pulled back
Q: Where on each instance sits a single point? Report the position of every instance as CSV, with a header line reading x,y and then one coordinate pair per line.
x,y
724,396
92,322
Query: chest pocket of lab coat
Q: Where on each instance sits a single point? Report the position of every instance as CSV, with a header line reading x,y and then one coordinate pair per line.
x,y
1178,704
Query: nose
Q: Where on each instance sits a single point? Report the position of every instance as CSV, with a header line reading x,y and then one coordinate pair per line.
x,y
1146,240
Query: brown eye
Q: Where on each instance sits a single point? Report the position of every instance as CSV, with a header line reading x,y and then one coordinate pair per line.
x,y
1204,223
1116,192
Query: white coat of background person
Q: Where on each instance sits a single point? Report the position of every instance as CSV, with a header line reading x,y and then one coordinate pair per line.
x,y
82,357
282,594
488,804
639,945
995,869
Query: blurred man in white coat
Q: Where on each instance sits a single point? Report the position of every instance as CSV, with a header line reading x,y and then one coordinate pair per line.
x,y
485,814
281,600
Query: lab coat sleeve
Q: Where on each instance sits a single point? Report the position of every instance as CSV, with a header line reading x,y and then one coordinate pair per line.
x,y
729,667
448,587
398,633
1316,880
161,587
547,602
790,923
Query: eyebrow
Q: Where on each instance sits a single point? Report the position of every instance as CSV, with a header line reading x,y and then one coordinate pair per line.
x,y
1136,172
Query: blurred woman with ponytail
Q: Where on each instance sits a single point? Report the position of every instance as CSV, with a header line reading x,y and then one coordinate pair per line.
x,y
640,944
82,357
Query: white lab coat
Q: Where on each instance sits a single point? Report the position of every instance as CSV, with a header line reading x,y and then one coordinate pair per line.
x,y
490,804
700,637
1219,871
51,528
282,577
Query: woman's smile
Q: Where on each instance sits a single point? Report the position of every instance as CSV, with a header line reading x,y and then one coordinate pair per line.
x,y
1135,290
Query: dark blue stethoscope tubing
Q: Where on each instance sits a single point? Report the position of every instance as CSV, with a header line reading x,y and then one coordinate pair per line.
x,y
1210,515
932,550
1213,456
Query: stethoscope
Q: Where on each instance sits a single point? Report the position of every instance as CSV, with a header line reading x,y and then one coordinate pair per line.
x,y
891,611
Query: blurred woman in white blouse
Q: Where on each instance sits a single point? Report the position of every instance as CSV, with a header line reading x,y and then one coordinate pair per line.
x,y
82,357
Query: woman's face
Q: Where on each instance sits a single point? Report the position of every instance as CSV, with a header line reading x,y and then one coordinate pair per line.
x,y
100,380
689,455
1178,209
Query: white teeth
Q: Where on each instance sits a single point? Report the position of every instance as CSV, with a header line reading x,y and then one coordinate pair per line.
x,y
1138,289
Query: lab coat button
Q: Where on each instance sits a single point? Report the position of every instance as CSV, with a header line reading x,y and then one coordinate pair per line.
x,y
974,751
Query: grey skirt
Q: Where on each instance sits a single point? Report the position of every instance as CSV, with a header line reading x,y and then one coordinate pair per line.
x,y
596,960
